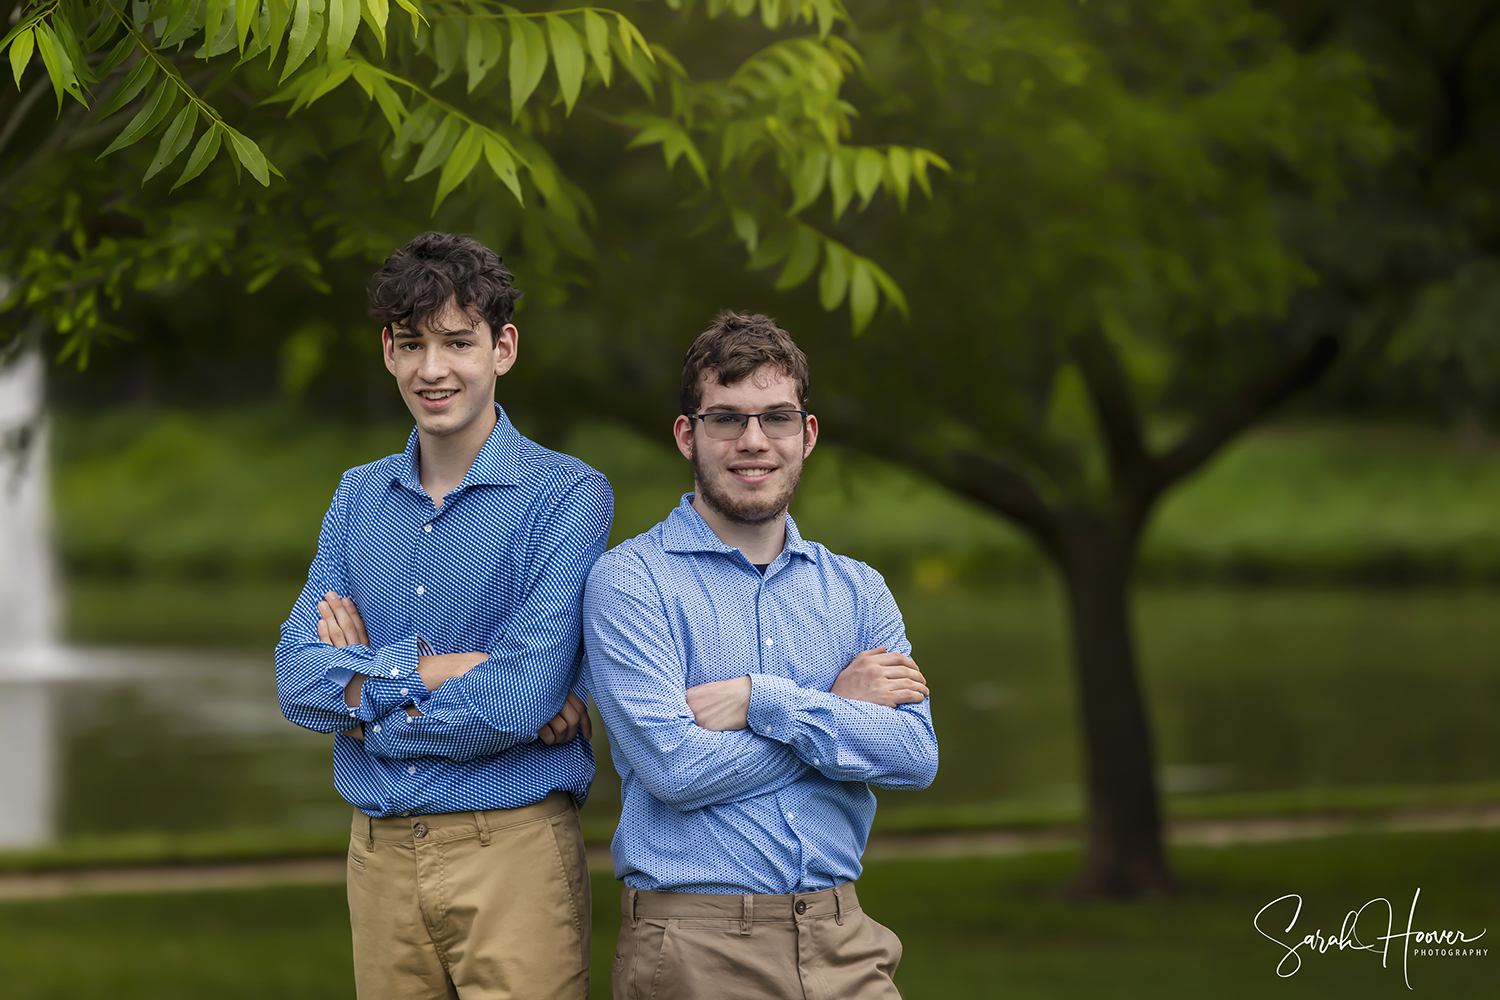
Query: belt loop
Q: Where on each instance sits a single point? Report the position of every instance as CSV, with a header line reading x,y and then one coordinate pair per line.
x,y
634,920
370,831
838,907
484,827
749,913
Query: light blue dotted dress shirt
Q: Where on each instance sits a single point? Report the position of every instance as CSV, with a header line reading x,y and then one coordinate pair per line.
x,y
784,806
498,568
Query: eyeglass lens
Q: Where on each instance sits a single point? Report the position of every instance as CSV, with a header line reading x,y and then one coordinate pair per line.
x,y
774,424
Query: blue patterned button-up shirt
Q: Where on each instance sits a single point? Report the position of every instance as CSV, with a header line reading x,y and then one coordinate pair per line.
x,y
498,568
785,805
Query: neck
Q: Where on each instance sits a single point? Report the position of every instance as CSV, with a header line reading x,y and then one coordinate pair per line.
x,y
761,543
444,460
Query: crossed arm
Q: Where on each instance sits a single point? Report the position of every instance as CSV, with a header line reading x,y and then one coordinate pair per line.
x,y
747,736
471,704
340,625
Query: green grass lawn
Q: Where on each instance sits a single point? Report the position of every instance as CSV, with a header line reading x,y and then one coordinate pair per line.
x,y
995,927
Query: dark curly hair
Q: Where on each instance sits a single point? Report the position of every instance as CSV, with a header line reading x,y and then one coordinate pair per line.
x,y
734,346
416,282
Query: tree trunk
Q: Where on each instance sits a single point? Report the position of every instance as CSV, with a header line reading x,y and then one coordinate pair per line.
x,y
1124,852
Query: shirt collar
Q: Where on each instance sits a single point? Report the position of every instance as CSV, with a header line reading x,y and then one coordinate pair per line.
x,y
497,464
684,530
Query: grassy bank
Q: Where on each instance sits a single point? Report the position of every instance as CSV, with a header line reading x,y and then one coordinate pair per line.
x,y
240,494
994,927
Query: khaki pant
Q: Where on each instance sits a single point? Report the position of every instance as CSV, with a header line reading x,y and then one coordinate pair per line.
x,y
695,946
475,905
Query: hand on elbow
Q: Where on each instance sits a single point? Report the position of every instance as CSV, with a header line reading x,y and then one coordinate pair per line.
x,y
882,678
721,706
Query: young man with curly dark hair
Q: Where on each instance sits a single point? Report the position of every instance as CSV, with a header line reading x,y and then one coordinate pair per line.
x,y
439,637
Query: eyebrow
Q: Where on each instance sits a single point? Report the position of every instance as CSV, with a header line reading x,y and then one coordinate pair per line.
x,y
407,333
726,408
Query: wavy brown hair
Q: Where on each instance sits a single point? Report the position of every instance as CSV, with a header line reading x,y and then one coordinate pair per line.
x,y
734,346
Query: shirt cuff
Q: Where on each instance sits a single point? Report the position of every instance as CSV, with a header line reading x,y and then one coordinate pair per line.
x,y
774,702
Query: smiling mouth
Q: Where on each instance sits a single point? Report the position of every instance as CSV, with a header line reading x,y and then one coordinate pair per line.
x,y
436,395
754,473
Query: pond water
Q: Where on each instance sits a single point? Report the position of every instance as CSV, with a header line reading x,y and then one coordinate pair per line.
x,y
1250,690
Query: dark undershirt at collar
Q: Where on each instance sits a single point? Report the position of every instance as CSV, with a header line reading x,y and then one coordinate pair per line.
x,y
762,567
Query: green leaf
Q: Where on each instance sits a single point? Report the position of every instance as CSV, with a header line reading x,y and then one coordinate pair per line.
x,y
245,151
438,145
504,165
834,281
447,48
890,288
158,105
307,27
745,227
343,21
808,182
280,12
868,166
567,58
799,266
528,60
460,164
598,35
177,136
203,155
20,54
841,180
245,12
899,162
417,20
336,75
213,17
376,14
485,48
390,104
862,296
59,66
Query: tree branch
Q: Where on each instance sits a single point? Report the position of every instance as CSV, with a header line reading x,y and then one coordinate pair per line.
x,y
1209,436
1119,421
1004,489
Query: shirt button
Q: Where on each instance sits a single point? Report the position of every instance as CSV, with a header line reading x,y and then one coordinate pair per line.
x,y
790,817
420,591
801,906
405,691
770,642
420,830
377,729
395,671
412,769
427,528
816,761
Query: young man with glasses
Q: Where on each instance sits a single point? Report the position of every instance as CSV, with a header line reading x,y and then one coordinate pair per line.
x,y
753,686
441,621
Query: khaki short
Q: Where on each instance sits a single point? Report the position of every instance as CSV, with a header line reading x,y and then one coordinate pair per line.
x,y
479,905
810,945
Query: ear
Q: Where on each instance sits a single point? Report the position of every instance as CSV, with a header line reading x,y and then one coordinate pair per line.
x,y
682,433
506,346
388,349
809,435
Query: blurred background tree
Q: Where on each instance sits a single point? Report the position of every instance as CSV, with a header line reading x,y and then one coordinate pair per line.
x,y
1162,220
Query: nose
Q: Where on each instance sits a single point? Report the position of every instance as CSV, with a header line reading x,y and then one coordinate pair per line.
x,y
432,367
754,437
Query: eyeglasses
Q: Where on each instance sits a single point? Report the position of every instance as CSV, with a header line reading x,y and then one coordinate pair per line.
x,y
728,426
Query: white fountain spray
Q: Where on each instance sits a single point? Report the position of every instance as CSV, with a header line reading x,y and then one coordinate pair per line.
x,y
29,655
